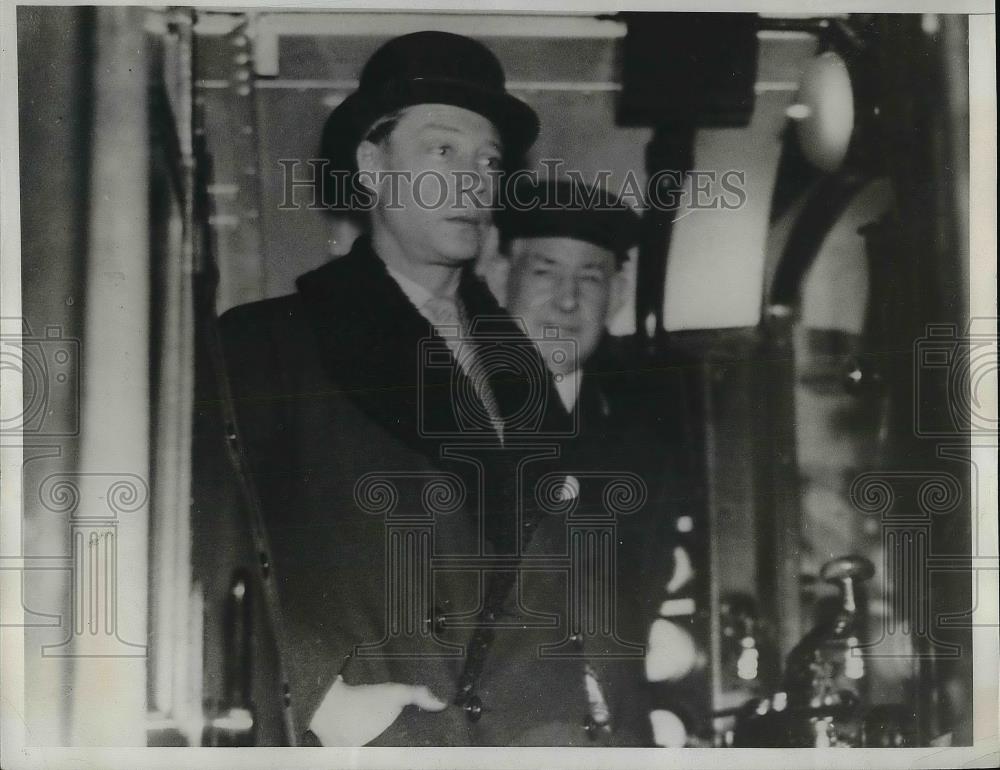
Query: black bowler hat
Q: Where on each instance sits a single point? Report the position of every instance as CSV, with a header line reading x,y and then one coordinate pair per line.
x,y
427,68
567,209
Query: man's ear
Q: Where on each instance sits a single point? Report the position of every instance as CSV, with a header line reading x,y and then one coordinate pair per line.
x,y
368,156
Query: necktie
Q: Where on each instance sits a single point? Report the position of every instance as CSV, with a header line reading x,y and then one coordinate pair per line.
x,y
449,321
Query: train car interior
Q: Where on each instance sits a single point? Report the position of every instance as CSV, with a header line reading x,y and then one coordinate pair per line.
x,y
797,314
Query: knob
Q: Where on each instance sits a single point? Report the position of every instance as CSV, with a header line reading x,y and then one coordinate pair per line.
x,y
473,709
844,567
861,376
233,727
844,571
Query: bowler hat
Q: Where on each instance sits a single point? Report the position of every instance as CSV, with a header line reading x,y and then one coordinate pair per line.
x,y
427,68
567,209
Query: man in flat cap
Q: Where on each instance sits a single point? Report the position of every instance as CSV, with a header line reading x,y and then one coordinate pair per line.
x,y
560,269
387,411
566,245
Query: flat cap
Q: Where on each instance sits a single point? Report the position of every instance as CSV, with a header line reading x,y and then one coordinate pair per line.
x,y
563,208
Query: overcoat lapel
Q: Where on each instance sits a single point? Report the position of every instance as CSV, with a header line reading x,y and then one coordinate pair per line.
x,y
383,353
369,337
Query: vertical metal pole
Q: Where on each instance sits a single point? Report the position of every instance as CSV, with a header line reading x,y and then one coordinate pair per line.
x,y
171,695
778,504
115,388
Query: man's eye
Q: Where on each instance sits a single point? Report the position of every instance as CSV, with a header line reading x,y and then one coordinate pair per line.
x,y
441,150
491,162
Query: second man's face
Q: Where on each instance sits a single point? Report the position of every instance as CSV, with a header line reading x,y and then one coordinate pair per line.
x,y
563,283
443,162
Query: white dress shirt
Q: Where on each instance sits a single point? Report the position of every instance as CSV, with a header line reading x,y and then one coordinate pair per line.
x,y
568,387
432,307
417,294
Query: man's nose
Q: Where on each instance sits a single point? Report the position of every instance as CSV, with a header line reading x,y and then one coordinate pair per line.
x,y
567,294
485,186
474,187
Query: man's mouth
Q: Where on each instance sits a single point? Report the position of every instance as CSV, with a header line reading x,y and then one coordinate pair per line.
x,y
466,219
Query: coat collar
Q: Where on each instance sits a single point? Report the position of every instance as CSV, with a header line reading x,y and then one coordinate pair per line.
x,y
375,346
367,328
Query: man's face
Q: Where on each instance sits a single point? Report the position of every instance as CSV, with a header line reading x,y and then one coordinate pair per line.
x,y
566,283
439,211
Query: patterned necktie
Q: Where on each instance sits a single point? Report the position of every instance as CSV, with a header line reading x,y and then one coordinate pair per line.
x,y
449,321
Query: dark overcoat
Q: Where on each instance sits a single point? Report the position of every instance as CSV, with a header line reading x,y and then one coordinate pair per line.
x,y
383,494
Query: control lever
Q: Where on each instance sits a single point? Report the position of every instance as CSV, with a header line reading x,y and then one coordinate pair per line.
x,y
823,702
825,668
233,725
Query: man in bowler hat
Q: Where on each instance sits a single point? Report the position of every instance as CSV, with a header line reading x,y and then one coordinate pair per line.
x,y
379,437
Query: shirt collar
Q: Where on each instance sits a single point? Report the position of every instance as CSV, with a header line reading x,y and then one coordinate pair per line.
x,y
568,387
414,292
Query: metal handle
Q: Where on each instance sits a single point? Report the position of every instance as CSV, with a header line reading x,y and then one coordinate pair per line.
x,y
844,567
843,571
